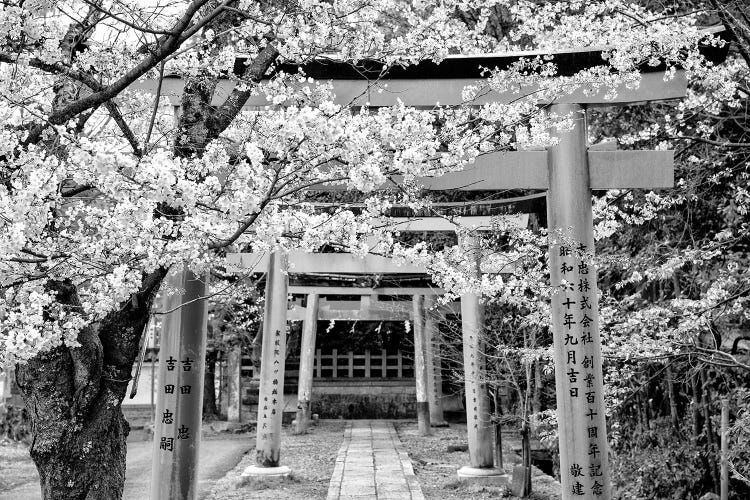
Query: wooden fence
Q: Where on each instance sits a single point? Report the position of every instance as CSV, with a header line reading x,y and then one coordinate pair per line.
x,y
334,364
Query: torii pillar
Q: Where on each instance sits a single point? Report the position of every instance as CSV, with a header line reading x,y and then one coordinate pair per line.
x,y
273,356
420,366
233,388
433,363
584,464
179,396
306,362
479,425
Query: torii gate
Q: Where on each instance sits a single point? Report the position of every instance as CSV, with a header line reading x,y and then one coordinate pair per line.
x,y
274,348
568,171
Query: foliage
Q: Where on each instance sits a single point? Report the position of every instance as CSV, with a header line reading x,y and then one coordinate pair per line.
x,y
739,437
110,179
103,191
658,464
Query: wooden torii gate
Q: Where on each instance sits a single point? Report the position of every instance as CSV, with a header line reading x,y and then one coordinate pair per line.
x,y
568,171
424,330
427,350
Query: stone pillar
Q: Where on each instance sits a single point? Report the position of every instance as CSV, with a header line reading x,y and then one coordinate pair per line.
x,y
234,385
420,367
5,376
179,403
584,467
306,363
478,423
433,363
273,356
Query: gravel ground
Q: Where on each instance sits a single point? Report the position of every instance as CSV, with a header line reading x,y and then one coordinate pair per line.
x,y
310,456
436,468
16,467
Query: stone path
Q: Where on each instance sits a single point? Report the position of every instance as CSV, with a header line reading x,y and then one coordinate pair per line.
x,y
372,464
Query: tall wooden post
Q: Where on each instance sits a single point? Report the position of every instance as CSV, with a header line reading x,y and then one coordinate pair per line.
x,y
432,362
273,356
584,466
179,403
234,385
420,367
306,362
478,423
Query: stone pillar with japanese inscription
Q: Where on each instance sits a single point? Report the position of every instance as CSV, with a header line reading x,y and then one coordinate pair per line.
x,y
273,356
179,388
433,363
584,467
479,425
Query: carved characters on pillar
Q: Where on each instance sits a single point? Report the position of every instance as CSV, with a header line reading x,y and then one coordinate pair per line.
x,y
174,391
437,376
272,402
578,299
474,374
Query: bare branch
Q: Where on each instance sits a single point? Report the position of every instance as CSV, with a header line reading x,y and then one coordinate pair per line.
x,y
170,44
156,106
114,112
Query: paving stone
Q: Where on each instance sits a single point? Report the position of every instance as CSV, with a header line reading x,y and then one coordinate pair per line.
x,y
372,464
392,489
358,492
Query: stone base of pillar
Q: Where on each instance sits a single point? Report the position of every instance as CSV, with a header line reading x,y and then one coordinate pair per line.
x,y
303,419
485,476
439,424
269,472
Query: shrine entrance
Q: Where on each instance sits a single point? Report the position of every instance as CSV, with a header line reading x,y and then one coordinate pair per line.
x,y
566,172
415,304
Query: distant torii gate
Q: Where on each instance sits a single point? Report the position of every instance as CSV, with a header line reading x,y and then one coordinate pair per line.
x,y
424,330
568,171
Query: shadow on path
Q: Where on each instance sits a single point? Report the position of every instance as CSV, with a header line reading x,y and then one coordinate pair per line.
x,y
217,457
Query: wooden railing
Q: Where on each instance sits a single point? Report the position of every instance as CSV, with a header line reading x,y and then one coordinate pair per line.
x,y
334,364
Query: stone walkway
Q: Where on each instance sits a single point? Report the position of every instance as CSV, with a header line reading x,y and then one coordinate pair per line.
x,y
372,464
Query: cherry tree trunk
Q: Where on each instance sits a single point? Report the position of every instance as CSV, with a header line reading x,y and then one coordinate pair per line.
x,y
74,398
210,411
79,454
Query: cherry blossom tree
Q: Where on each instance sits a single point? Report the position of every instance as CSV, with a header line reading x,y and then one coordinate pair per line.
x,y
106,189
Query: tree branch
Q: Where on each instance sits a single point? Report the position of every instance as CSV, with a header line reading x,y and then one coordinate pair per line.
x,y
724,15
114,112
223,116
169,45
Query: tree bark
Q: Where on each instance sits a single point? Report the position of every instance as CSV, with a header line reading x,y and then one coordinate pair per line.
x,y
526,457
209,386
696,407
536,400
675,419
74,398
709,429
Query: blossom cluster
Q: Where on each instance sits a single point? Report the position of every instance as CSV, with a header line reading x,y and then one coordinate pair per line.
x,y
79,204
